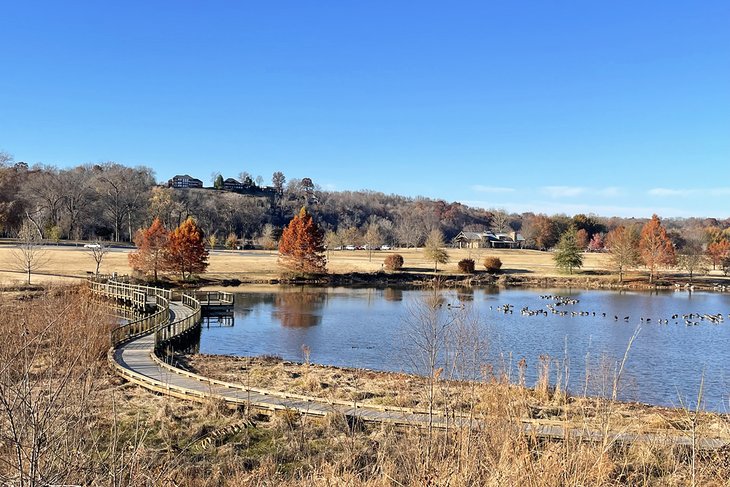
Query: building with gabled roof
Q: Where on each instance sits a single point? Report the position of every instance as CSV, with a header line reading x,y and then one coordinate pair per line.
x,y
184,181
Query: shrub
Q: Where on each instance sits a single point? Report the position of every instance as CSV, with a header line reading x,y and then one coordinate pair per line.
x,y
394,262
231,241
492,264
466,266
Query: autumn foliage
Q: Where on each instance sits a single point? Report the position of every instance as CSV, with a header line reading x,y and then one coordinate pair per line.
x,y
301,248
623,244
492,264
151,245
718,252
466,266
182,251
186,252
655,246
393,262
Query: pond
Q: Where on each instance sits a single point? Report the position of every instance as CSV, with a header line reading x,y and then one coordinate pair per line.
x,y
682,339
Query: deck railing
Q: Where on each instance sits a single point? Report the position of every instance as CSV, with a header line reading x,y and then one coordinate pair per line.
x,y
143,325
215,297
136,295
167,331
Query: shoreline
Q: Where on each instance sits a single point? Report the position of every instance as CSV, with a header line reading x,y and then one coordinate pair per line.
x,y
401,389
507,280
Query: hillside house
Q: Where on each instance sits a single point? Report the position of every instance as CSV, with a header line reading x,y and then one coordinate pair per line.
x,y
184,181
231,184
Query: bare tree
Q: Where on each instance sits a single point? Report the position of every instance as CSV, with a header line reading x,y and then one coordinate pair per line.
x,y
29,256
97,251
427,327
623,244
692,255
44,195
123,191
500,221
77,196
373,238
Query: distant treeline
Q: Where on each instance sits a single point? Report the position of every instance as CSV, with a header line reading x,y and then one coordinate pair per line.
x,y
111,201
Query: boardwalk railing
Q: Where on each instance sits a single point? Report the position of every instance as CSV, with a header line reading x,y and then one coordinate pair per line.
x,y
115,288
137,296
209,298
167,331
142,325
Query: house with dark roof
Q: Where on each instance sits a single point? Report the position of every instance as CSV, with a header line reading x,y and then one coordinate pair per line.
x,y
475,240
184,181
231,184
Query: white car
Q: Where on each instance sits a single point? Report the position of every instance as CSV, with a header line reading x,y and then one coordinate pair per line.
x,y
92,246
385,247
349,247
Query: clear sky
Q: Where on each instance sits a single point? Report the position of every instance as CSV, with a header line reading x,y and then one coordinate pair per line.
x,y
612,107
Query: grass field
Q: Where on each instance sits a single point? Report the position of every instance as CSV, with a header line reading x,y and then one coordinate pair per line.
x,y
70,263
75,262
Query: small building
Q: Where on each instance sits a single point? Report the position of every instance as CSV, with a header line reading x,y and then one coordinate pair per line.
x,y
184,181
475,240
231,184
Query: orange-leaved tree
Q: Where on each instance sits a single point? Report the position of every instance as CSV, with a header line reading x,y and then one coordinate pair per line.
x,y
186,252
718,252
149,258
655,246
301,248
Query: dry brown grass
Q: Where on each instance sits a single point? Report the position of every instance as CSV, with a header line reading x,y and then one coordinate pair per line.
x,y
70,263
262,264
492,396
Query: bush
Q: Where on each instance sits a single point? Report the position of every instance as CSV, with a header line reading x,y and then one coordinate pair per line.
x,y
394,262
492,264
231,241
466,266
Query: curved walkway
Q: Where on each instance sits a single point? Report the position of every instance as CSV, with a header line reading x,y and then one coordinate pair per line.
x,y
136,360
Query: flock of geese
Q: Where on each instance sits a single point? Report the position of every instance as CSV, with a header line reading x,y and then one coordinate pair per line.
x,y
690,319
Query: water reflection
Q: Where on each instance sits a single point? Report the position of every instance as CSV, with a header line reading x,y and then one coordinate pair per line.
x,y
393,294
465,294
299,309
218,320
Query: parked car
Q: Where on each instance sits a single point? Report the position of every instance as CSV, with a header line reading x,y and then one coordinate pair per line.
x,y
385,247
349,247
92,246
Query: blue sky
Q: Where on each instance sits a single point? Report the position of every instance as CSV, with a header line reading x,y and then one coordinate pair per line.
x,y
616,108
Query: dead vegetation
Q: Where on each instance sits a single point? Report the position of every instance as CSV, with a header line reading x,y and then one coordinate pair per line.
x,y
65,419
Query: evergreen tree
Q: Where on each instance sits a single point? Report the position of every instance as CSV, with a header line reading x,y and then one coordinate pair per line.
x,y
218,183
301,248
568,253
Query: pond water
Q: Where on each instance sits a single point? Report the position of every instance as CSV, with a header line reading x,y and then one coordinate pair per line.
x,y
677,344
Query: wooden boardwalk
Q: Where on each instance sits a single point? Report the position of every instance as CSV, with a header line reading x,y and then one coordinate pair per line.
x,y
135,357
